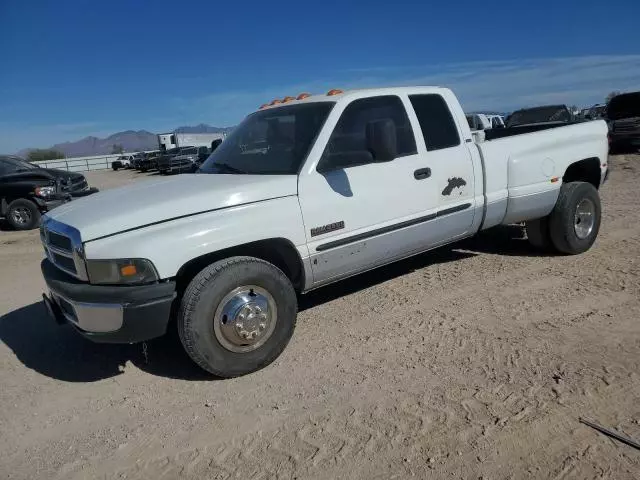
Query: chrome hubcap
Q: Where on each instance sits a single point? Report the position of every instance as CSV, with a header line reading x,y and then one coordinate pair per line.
x,y
584,218
21,215
245,319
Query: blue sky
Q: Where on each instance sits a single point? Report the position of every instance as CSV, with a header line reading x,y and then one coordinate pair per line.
x,y
92,67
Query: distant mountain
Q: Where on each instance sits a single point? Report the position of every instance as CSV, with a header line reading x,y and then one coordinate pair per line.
x,y
130,140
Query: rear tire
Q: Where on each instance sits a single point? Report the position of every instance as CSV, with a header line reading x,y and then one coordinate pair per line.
x,y
538,233
574,222
23,214
237,315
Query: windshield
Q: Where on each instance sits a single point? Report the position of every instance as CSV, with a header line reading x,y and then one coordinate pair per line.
x,y
552,113
626,105
270,142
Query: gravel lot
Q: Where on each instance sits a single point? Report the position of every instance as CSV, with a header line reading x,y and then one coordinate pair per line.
x,y
474,361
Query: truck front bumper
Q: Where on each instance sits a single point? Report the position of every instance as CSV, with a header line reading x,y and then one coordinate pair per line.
x,y
108,314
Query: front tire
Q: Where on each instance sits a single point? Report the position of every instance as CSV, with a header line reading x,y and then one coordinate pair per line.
x,y
574,222
237,316
23,214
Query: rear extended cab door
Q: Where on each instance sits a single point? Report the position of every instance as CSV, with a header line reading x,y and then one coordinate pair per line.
x,y
368,214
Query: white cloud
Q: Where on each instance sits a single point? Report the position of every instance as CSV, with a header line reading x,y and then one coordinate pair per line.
x,y
490,85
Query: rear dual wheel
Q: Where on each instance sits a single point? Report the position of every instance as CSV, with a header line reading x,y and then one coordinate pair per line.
x,y
574,223
237,315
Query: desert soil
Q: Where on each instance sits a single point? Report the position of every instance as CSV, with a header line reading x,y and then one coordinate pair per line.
x,y
473,361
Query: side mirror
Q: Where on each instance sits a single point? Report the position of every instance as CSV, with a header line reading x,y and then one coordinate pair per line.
x,y
382,140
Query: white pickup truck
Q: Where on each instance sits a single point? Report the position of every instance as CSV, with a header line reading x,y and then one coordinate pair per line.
x,y
304,192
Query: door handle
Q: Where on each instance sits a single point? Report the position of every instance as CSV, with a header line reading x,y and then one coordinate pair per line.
x,y
422,173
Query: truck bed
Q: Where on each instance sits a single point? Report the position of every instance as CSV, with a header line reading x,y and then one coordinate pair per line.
x,y
522,171
496,133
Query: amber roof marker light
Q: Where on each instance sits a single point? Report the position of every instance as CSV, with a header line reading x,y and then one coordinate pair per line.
x,y
302,96
334,91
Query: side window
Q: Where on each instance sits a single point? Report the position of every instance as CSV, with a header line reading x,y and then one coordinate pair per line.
x,y
349,140
436,122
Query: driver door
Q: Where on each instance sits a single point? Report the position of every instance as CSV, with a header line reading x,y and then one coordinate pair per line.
x,y
367,213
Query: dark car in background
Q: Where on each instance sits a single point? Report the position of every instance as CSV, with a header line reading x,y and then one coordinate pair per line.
x,y
185,160
27,191
545,115
623,117
136,158
149,162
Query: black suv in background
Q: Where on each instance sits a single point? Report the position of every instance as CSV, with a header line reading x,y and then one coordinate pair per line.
x,y
623,117
27,191
149,162
183,160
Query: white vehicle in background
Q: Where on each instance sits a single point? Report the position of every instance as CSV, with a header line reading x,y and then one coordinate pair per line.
x,y
497,121
304,192
484,121
123,161
478,121
168,141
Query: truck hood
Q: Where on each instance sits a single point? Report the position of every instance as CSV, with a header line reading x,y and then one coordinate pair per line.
x,y
154,201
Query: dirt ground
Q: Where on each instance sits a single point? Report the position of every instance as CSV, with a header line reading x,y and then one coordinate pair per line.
x,y
474,361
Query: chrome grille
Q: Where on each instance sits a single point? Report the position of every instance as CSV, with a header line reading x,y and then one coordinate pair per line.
x,y
63,247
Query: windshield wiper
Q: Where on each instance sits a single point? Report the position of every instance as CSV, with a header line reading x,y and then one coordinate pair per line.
x,y
228,168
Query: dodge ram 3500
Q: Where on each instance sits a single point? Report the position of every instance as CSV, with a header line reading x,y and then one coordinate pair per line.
x,y
304,192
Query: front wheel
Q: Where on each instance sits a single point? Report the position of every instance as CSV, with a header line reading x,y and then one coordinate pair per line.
x,y
574,222
237,316
23,214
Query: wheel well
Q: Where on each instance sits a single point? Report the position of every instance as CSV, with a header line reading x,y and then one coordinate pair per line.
x,y
278,251
587,170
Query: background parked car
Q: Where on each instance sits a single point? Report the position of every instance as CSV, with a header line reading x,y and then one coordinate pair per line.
x,y
623,117
478,121
136,158
164,159
188,160
27,191
123,161
596,112
547,114
149,162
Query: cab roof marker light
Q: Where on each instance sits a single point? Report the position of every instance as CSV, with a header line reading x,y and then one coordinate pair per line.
x,y
334,91
303,95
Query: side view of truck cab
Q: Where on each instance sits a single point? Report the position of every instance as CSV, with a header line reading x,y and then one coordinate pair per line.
x,y
306,191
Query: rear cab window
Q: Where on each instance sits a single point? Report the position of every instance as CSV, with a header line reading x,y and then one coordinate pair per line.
x,y
436,122
348,139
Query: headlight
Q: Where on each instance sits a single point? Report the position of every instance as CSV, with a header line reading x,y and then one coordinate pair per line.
x,y
45,191
127,271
